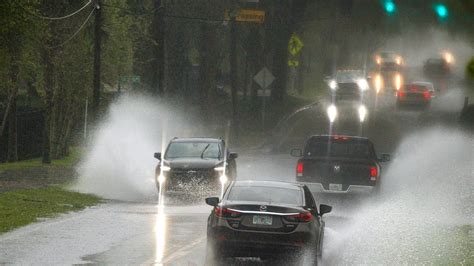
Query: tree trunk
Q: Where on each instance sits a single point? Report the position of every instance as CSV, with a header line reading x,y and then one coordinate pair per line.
x,y
48,88
158,63
12,112
12,133
207,71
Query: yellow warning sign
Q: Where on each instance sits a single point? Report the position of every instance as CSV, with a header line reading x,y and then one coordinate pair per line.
x,y
293,63
294,45
250,15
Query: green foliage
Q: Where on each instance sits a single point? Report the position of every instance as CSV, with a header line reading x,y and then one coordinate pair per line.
x,y
470,68
68,161
22,207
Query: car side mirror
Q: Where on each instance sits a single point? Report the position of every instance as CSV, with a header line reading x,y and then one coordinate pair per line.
x,y
233,155
212,201
296,153
157,155
323,208
385,158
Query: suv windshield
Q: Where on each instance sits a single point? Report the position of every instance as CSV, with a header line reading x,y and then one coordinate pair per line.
x,y
193,150
352,149
348,75
275,195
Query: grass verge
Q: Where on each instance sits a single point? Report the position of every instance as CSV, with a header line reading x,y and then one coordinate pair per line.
x,y
68,161
22,207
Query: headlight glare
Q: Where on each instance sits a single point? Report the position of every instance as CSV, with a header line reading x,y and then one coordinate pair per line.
x,y
363,85
332,113
362,113
161,179
223,179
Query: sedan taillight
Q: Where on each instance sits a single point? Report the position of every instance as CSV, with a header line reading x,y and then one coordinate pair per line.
x,y
226,213
302,217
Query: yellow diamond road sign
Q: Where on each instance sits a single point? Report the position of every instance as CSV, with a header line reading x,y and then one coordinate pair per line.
x,y
294,45
293,63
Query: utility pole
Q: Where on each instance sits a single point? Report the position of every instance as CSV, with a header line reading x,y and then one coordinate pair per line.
x,y
97,60
233,76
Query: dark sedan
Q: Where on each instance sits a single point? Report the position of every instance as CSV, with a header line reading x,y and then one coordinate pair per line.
x,y
265,219
416,93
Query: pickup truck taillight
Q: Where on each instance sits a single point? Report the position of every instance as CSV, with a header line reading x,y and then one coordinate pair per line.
x,y
299,169
426,95
373,173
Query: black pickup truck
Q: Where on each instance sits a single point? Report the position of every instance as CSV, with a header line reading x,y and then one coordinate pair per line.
x,y
333,163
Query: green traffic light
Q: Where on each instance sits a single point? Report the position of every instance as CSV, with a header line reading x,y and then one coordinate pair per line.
x,y
441,10
389,6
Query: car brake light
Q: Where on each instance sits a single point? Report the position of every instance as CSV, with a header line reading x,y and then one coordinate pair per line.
x,y
299,169
340,137
373,173
226,213
303,217
426,95
400,94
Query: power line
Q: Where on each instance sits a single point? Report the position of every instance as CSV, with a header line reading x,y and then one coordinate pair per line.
x,y
75,33
53,18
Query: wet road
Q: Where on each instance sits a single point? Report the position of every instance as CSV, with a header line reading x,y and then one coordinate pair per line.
x,y
144,233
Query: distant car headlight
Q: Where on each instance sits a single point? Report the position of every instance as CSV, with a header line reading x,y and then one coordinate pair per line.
x,y
223,179
363,85
332,113
378,82
378,60
332,84
398,60
362,113
398,81
448,57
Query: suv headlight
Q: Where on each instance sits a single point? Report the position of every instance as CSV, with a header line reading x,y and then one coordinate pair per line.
x,y
363,85
332,113
223,179
332,84
362,113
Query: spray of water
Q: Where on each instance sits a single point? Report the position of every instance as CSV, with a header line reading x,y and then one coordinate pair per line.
x,y
119,163
427,198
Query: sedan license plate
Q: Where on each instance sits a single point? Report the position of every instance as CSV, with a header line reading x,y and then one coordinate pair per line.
x,y
335,187
262,220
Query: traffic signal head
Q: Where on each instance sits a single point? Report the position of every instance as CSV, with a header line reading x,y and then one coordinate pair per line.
x,y
389,6
441,10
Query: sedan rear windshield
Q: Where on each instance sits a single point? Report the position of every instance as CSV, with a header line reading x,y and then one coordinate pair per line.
x,y
193,150
270,195
414,88
351,149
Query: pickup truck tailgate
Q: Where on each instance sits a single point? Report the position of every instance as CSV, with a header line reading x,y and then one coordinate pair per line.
x,y
341,173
